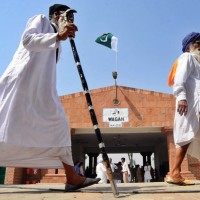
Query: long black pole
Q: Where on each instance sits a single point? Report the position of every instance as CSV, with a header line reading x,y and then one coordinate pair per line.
x,y
93,117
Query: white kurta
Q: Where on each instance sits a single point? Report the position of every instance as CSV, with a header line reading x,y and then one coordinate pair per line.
x,y
126,172
34,130
187,86
101,172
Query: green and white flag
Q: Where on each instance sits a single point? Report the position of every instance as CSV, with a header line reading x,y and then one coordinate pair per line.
x,y
108,40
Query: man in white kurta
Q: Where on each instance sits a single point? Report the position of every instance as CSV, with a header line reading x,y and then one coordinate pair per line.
x,y
125,171
187,91
34,130
101,171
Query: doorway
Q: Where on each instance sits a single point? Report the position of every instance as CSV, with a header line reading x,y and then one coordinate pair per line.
x,y
2,174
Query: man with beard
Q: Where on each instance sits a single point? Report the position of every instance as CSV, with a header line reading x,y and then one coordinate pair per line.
x,y
34,130
186,88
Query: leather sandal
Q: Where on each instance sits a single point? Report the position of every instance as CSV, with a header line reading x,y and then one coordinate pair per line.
x,y
179,182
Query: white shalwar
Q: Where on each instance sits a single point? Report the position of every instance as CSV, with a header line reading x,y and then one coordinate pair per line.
x,y
187,86
34,130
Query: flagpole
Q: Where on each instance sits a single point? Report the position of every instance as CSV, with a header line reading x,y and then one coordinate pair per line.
x,y
116,60
116,98
116,72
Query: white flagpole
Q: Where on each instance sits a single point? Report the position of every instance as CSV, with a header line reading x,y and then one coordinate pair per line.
x,y
116,60
115,77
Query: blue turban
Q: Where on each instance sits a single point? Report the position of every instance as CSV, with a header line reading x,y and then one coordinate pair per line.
x,y
191,37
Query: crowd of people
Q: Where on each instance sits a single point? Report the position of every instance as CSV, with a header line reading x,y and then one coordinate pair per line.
x,y
122,172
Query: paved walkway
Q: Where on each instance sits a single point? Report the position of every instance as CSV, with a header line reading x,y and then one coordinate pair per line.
x,y
137,191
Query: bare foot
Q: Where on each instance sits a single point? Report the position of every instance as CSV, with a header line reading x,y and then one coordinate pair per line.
x,y
72,177
177,177
75,179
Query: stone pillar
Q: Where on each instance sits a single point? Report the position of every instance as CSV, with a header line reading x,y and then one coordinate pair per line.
x,y
14,175
170,144
168,132
146,157
10,174
143,158
92,162
149,157
95,161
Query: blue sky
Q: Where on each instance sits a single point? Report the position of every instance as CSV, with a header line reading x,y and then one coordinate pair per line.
x,y
149,32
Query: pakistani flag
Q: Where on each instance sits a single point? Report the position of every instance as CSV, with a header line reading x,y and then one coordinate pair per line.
x,y
108,40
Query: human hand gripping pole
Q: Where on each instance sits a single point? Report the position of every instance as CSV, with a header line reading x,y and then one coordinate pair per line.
x,y
68,30
70,18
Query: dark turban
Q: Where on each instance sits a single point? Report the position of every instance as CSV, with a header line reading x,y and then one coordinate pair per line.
x,y
59,7
190,38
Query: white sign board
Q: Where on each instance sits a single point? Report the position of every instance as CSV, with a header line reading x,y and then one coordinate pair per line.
x,y
115,115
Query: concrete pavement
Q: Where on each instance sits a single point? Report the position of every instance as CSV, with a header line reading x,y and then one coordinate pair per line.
x,y
137,191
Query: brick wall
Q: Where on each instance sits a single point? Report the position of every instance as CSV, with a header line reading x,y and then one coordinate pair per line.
x,y
14,175
194,166
146,108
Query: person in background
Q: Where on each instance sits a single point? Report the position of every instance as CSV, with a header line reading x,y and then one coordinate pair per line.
x,y
34,130
125,171
138,174
81,169
101,171
132,177
147,172
118,173
76,167
112,165
113,168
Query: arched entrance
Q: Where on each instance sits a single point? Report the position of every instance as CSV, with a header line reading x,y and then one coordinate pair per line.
x,y
143,140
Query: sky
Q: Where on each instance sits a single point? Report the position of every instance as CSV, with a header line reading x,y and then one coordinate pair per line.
x,y
149,35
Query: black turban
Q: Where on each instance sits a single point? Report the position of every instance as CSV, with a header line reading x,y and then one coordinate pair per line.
x,y
57,8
